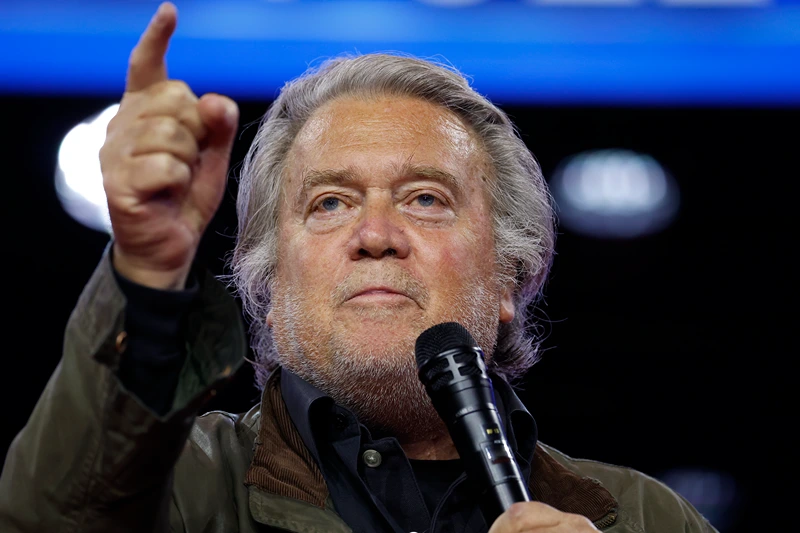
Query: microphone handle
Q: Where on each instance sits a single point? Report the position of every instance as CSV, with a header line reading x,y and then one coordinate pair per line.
x,y
488,461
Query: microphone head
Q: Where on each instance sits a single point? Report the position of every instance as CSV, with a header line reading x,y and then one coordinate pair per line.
x,y
440,338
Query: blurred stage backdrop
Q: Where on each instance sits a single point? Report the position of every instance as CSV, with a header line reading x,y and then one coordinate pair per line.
x,y
665,128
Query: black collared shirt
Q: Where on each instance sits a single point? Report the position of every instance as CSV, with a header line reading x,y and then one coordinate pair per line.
x,y
373,485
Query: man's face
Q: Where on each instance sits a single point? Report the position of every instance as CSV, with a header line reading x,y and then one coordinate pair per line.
x,y
385,230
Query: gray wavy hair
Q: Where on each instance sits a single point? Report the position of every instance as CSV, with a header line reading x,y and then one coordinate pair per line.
x,y
522,209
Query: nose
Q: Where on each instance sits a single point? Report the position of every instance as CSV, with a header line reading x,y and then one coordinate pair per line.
x,y
379,232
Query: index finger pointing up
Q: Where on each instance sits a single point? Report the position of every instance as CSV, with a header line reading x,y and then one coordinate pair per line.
x,y
147,65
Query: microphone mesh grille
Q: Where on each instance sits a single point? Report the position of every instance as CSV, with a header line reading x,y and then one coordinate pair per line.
x,y
440,338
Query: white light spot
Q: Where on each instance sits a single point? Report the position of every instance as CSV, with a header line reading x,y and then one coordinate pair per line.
x,y
614,193
79,182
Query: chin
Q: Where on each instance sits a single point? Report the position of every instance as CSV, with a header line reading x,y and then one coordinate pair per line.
x,y
377,334
378,381
384,392
388,314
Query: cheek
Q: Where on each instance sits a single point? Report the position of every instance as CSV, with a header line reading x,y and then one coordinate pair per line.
x,y
292,258
307,261
465,259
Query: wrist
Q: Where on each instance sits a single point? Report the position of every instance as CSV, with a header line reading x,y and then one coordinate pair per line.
x,y
154,278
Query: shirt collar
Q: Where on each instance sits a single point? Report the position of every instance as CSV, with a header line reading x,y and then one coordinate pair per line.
x,y
519,424
302,398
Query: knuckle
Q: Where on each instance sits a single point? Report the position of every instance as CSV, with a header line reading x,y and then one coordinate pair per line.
x,y
109,153
103,153
517,510
112,185
112,125
168,129
119,129
161,164
178,91
581,523
516,515
135,60
159,170
177,170
190,118
116,125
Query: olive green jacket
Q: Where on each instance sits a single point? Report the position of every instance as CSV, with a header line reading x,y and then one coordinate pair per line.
x,y
93,458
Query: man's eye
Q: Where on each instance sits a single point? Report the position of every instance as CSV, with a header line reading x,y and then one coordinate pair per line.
x,y
426,200
330,203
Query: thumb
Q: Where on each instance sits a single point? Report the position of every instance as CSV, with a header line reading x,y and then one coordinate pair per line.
x,y
220,115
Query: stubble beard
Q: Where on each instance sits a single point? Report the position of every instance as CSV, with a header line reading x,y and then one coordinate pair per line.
x,y
378,382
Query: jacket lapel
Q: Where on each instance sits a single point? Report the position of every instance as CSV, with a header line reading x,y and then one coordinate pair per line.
x,y
285,485
283,475
281,463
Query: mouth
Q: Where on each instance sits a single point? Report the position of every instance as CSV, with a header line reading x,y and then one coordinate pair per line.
x,y
378,295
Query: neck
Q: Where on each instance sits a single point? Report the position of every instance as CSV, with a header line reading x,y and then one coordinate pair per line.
x,y
437,448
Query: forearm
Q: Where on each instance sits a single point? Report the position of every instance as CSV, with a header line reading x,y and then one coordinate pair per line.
x,y
155,322
93,457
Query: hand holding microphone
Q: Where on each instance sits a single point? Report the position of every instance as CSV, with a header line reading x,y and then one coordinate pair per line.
x,y
452,368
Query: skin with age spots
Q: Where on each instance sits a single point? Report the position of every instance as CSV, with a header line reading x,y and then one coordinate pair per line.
x,y
384,232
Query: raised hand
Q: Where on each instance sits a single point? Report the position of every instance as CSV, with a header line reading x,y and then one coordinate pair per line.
x,y
164,162
536,517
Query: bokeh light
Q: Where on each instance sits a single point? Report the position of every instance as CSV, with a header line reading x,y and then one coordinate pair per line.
x,y
614,194
79,181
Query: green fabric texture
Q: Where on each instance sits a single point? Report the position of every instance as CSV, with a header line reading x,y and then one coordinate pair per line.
x,y
93,458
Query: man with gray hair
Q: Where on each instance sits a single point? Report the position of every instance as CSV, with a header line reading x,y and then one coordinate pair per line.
x,y
382,196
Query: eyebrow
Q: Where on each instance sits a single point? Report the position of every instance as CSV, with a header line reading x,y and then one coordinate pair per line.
x,y
340,177
435,174
317,178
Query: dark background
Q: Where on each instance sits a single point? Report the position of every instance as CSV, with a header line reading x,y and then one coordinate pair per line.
x,y
663,352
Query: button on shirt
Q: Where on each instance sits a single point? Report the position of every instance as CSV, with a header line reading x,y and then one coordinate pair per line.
x,y
374,486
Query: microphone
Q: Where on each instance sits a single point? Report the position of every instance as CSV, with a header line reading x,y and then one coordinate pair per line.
x,y
453,370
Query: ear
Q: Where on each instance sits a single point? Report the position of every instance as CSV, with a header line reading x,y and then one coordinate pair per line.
x,y
507,311
269,319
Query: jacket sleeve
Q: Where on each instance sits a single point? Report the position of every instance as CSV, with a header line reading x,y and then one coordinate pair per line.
x,y
156,350
92,457
650,506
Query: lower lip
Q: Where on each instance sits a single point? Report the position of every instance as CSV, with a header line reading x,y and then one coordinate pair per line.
x,y
378,297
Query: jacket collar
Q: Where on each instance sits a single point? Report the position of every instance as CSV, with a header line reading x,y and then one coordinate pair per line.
x,y
283,467
302,398
519,425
